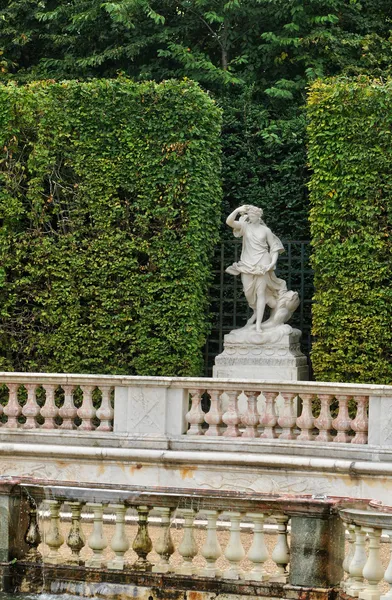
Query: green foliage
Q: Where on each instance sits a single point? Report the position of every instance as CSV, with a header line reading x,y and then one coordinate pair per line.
x,y
350,153
264,164
109,211
255,56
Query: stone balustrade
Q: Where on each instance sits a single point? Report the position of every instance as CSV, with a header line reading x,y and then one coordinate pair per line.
x,y
120,542
50,402
366,574
273,415
198,407
148,545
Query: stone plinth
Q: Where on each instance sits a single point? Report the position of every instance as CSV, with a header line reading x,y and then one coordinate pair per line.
x,y
274,355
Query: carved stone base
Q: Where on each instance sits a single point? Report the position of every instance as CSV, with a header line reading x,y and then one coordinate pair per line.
x,y
272,355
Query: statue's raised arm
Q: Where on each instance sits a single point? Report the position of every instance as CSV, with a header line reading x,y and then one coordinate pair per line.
x,y
231,219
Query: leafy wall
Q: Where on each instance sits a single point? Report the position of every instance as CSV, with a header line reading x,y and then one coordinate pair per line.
x,y
109,212
350,153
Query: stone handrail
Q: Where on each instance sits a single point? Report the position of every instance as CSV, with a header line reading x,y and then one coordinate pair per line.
x,y
202,407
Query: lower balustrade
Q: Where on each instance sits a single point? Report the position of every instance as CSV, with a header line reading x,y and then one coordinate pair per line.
x,y
206,543
368,562
201,535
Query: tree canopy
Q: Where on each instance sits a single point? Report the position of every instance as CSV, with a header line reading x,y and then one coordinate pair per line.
x,y
278,45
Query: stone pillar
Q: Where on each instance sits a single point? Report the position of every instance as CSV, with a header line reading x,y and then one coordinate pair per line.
x,y
316,551
148,409
380,421
14,522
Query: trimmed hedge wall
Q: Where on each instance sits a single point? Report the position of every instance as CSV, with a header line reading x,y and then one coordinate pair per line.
x,y
350,153
109,212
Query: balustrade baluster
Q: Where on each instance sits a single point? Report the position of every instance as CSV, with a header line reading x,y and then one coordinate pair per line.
x,y
33,537
251,418
188,547
361,421
119,543
306,421
54,538
75,539
142,544
234,551
232,416
195,416
68,411
12,409
269,419
324,420
49,410
31,409
281,553
258,553
349,555
105,412
287,418
388,572
211,550
357,564
342,423
97,540
214,415
87,412
164,546
373,570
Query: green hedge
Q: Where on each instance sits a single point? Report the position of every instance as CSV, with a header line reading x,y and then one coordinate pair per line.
x,y
109,211
350,152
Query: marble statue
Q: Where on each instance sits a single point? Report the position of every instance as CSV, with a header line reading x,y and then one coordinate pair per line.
x,y
260,252
264,349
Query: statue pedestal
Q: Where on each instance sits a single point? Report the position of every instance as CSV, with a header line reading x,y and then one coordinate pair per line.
x,y
271,354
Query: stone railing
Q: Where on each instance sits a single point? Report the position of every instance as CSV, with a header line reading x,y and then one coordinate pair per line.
x,y
198,536
208,408
45,401
368,574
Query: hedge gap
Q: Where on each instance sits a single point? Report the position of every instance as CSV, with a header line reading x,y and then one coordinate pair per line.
x,y
110,204
350,153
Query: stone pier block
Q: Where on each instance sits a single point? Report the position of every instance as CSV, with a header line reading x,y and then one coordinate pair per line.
x,y
316,551
151,410
14,520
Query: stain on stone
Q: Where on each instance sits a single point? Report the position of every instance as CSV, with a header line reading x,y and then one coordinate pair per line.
x,y
187,472
101,469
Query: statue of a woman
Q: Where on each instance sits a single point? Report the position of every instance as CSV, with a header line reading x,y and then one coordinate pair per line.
x,y
260,252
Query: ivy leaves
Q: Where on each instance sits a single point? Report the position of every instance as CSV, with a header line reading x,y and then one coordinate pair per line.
x,y
351,218
109,212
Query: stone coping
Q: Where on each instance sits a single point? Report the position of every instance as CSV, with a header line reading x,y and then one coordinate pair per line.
x,y
290,504
308,461
380,519
196,382
15,440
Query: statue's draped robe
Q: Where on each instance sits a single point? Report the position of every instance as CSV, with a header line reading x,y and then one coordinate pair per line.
x,y
257,245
